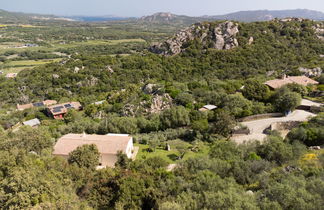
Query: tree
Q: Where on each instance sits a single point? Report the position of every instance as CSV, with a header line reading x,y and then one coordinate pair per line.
x,y
175,117
184,99
237,105
85,156
275,149
224,123
286,100
200,126
225,150
255,90
122,161
302,90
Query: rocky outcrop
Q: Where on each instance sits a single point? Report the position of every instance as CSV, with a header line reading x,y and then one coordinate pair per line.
x,y
319,30
160,103
221,36
315,72
156,102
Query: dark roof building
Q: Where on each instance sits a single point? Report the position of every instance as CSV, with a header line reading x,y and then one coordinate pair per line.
x,y
58,111
36,105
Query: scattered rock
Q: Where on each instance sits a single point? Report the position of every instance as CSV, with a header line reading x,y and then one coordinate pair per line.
x,y
76,69
110,69
167,147
291,19
251,40
290,169
150,89
319,30
249,192
315,72
171,167
55,76
315,148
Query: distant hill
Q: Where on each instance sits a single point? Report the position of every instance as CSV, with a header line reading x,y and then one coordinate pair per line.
x,y
19,17
168,18
264,15
97,18
242,16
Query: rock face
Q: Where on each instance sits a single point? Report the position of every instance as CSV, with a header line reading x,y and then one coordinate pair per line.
x,y
315,72
221,36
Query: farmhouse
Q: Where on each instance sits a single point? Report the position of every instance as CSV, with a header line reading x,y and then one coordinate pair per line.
x,y
59,111
36,105
108,146
301,80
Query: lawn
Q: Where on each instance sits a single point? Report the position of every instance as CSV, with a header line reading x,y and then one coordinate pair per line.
x,y
171,156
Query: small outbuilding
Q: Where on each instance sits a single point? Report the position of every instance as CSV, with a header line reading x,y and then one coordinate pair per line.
x,y
207,108
32,123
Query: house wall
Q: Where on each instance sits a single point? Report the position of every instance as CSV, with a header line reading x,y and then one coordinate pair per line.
x,y
105,159
108,160
130,148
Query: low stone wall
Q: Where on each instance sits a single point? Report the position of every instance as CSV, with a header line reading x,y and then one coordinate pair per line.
x,y
260,116
279,126
243,131
313,109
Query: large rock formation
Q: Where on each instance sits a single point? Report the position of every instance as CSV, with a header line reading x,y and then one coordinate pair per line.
x,y
221,36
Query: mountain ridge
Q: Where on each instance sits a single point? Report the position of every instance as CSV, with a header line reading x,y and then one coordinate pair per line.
x,y
170,18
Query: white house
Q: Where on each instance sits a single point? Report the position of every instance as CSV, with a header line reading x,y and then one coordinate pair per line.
x,y
108,146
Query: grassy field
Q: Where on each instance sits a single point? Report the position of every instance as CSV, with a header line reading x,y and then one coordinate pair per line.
x,y
55,46
170,156
17,66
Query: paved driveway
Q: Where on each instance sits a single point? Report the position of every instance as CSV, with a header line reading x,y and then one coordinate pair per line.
x,y
258,126
306,102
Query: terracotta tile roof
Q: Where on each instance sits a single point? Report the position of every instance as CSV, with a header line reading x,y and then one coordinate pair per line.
x,y
301,80
49,102
24,106
106,144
